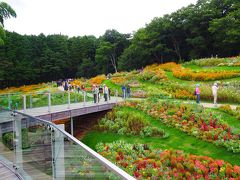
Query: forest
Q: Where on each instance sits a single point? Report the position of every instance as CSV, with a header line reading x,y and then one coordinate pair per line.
x,y
208,28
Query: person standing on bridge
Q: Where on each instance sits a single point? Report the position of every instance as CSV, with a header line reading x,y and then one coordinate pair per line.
x,y
124,92
128,91
214,92
105,92
95,93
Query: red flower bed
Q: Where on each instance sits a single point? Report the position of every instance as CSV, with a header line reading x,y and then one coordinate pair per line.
x,y
200,124
144,163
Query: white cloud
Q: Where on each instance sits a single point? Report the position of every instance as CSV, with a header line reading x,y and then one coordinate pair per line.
x,y
86,17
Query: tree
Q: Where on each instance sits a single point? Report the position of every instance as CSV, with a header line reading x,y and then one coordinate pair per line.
x,y
5,12
86,69
111,46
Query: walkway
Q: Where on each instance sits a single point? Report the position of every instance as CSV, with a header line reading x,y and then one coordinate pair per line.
x,y
102,105
6,173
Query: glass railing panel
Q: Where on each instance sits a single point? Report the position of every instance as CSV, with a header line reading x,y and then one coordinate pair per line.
x,y
77,97
41,150
49,151
35,100
7,155
33,148
73,162
58,98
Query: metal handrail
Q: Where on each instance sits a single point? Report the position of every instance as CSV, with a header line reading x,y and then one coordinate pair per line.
x,y
94,154
12,170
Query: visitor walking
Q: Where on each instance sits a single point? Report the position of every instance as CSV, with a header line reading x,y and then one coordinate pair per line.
x,y
105,92
197,93
95,92
128,91
78,89
100,91
214,92
66,86
124,92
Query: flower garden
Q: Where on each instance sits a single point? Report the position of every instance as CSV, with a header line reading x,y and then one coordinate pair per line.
x,y
146,163
165,134
178,81
168,136
155,139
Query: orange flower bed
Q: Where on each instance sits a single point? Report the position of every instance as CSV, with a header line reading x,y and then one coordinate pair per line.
x,y
154,70
183,94
119,80
236,64
118,74
23,89
188,74
97,80
76,82
170,66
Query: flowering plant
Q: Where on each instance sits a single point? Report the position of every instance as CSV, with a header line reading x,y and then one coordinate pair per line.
x,y
143,162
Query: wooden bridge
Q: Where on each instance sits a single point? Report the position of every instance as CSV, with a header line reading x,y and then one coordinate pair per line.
x,y
64,111
59,112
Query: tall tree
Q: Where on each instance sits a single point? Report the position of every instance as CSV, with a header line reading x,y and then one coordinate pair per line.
x,y
111,46
6,12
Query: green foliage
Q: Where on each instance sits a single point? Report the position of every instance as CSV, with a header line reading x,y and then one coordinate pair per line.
x,y
123,122
7,139
191,32
206,29
6,12
206,62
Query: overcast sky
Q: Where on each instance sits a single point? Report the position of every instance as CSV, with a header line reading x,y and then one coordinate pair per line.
x,y
86,17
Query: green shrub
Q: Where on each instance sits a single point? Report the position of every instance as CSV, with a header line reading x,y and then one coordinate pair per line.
x,y
7,139
125,122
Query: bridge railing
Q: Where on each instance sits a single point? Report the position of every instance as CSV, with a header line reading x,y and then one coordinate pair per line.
x,y
47,99
37,149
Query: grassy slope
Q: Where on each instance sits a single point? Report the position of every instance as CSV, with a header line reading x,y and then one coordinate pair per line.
x,y
176,140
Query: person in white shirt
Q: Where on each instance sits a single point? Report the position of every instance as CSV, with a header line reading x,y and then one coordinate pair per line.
x,y
214,92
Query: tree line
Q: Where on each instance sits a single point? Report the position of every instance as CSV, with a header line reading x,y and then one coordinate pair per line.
x,y
208,28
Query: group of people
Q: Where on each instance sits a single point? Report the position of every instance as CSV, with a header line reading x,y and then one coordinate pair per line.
x,y
126,91
98,91
214,93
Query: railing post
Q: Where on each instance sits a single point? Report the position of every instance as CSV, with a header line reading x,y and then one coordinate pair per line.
x,y
49,102
116,95
97,97
63,97
18,140
24,103
72,126
84,98
30,99
69,99
75,97
9,101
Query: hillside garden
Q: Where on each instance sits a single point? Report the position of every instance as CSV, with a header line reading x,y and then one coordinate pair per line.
x,y
161,133
167,135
